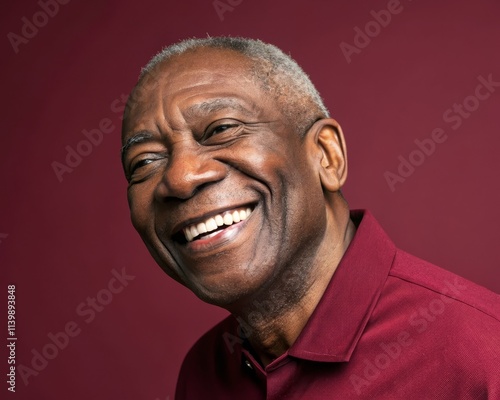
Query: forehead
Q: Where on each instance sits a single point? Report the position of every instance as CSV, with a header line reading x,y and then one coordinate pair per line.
x,y
199,67
187,78
211,58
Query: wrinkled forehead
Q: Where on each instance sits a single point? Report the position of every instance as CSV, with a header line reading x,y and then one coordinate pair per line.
x,y
194,68
197,66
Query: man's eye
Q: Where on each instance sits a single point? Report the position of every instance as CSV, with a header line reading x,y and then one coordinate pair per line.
x,y
140,164
221,128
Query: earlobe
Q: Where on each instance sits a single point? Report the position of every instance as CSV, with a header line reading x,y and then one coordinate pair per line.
x,y
330,143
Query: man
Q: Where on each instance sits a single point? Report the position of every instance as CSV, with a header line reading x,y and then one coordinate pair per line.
x,y
235,172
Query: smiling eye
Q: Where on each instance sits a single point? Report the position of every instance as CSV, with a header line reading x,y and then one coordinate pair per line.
x,y
138,169
221,128
140,164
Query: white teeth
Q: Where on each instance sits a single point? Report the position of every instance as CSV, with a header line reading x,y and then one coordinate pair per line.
x,y
213,223
219,220
194,231
228,219
201,227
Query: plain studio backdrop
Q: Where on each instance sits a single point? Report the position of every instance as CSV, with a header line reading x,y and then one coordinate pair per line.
x,y
414,84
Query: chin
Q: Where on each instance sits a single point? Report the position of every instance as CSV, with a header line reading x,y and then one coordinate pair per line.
x,y
223,300
228,296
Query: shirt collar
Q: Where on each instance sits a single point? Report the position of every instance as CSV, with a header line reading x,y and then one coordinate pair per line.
x,y
336,325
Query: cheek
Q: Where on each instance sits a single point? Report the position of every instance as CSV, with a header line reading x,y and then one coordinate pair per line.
x,y
263,161
141,207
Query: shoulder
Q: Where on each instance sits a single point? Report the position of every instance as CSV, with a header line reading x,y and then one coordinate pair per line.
x,y
452,323
422,279
440,324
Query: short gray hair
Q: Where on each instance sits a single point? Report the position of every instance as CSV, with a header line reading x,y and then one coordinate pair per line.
x,y
277,73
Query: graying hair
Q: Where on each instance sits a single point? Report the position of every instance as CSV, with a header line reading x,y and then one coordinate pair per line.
x,y
277,73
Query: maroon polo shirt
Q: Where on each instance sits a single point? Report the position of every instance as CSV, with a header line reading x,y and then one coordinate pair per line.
x,y
389,326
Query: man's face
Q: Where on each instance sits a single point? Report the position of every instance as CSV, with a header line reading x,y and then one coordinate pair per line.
x,y
206,149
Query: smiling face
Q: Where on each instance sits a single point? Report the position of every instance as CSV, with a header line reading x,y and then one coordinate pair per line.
x,y
225,194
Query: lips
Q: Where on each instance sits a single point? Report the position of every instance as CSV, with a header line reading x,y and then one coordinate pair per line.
x,y
215,223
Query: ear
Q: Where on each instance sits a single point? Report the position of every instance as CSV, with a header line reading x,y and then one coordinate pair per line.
x,y
331,153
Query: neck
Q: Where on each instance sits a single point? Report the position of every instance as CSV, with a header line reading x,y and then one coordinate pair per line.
x,y
274,321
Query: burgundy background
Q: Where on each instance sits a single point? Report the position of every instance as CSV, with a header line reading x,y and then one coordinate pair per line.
x,y
65,238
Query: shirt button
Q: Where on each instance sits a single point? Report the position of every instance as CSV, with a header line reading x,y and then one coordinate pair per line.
x,y
247,363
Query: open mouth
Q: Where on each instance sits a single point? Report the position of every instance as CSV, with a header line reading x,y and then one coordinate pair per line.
x,y
213,225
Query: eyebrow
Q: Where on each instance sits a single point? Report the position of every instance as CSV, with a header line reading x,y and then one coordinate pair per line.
x,y
207,107
139,137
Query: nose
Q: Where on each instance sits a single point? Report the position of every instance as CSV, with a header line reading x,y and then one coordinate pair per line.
x,y
190,167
